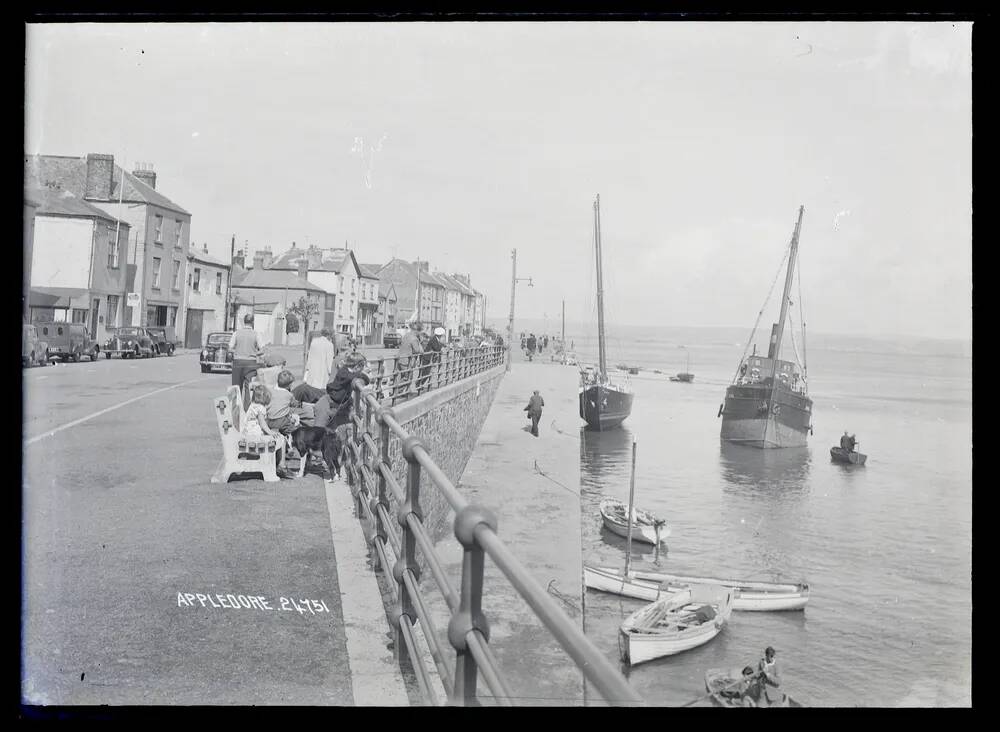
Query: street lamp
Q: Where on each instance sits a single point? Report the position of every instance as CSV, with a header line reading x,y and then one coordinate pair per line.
x,y
514,279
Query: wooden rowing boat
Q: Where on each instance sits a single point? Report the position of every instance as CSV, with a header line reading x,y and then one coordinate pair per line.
x,y
651,586
719,681
675,624
645,526
840,455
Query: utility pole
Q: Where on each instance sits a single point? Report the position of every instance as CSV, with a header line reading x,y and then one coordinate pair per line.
x,y
513,291
229,280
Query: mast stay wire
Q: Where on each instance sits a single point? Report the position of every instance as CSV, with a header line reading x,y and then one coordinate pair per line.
x,y
761,313
802,320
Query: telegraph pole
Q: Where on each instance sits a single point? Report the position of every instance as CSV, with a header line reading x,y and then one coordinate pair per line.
x,y
513,291
229,280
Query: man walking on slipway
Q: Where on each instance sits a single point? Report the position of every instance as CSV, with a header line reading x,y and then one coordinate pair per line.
x,y
534,410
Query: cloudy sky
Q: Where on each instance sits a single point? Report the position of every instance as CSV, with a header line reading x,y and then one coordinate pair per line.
x,y
456,142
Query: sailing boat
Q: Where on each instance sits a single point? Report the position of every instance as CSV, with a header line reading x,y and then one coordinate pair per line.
x,y
605,399
767,405
636,524
686,376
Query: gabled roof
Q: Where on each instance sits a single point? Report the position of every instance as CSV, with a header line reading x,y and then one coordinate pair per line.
x,y
428,279
385,287
273,279
455,284
369,270
199,255
320,260
70,173
64,203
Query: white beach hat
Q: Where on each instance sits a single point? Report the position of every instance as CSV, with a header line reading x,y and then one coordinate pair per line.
x,y
439,331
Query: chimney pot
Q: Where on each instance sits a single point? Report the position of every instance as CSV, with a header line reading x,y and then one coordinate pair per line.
x,y
145,173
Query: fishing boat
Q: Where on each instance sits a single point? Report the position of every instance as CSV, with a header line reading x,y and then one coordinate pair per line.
x,y
851,457
605,397
718,681
672,625
650,586
767,404
685,376
644,527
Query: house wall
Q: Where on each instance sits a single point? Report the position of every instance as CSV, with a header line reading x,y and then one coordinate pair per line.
x,y
62,250
206,297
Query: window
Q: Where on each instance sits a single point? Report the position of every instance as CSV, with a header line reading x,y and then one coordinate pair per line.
x,y
158,231
172,316
341,285
178,227
197,278
330,302
340,310
352,287
218,283
156,273
177,275
112,248
79,315
112,311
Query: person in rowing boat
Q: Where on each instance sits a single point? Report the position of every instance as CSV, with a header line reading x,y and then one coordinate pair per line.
x,y
843,441
768,673
746,690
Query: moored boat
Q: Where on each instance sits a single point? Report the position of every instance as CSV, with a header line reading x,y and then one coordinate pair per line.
x,y
672,625
767,405
747,597
721,683
684,377
605,398
852,457
645,526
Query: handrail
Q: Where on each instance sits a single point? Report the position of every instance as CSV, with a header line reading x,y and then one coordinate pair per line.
x,y
368,462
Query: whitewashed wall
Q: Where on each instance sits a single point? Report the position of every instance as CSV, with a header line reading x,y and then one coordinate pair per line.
x,y
62,251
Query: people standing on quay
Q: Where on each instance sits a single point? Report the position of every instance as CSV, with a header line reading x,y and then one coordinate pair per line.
x,y
408,358
245,344
534,410
319,364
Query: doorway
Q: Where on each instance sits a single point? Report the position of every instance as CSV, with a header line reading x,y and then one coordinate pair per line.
x,y
192,333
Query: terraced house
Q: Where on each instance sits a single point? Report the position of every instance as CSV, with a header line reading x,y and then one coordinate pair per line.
x,y
155,257
336,271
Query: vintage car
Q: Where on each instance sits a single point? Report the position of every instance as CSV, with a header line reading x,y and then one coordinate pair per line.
x,y
391,340
129,341
33,349
69,341
164,339
216,354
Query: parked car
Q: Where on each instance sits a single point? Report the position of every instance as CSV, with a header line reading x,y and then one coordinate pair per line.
x,y
33,349
129,341
164,339
69,341
391,340
216,354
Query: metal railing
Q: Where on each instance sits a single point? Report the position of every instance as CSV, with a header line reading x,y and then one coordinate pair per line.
x,y
373,485
403,377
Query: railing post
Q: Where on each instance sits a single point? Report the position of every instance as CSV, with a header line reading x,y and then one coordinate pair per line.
x,y
407,560
382,498
469,615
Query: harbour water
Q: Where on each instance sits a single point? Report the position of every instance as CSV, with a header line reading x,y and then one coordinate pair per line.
x,y
886,548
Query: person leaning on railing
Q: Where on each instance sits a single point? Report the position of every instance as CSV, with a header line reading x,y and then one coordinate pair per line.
x,y
408,358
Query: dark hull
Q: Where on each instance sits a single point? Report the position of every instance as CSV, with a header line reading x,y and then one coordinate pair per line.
x,y
752,415
604,408
840,455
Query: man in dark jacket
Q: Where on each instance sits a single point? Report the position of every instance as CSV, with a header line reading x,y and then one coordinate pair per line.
x,y
534,410
334,409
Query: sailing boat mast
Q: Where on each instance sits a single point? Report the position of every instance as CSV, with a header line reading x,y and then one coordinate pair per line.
x,y
775,352
631,499
602,357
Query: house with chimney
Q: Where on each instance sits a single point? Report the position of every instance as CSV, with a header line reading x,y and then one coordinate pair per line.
x,y
337,273
466,305
77,267
268,293
369,329
156,253
205,296
32,200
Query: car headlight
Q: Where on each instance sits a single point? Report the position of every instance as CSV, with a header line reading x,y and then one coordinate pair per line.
x,y
130,343
204,354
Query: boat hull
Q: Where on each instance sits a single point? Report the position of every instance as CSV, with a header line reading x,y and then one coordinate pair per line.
x,y
652,586
756,416
603,408
645,534
639,648
718,680
642,637
840,455
613,514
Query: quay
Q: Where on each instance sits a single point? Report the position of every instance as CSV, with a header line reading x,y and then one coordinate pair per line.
x,y
146,584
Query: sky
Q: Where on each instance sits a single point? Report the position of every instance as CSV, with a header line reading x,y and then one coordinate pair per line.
x,y
459,142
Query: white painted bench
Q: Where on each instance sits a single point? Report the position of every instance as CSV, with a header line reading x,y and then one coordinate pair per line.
x,y
241,454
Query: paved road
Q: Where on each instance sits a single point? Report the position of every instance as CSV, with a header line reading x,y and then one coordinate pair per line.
x,y
133,560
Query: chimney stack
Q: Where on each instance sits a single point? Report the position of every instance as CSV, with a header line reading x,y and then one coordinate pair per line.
x,y
258,260
144,172
304,268
239,260
205,247
100,171
422,266
265,257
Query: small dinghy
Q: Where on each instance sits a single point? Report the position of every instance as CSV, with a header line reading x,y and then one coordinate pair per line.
x,y
749,596
651,586
645,526
684,377
669,626
840,455
723,684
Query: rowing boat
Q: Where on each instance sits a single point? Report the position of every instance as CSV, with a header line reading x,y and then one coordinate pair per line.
x,y
853,457
645,526
719,681
651,586
675,624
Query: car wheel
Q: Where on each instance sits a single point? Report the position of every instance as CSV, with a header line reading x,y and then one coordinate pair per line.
x,y
76,357
137,353
107,354
170,350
